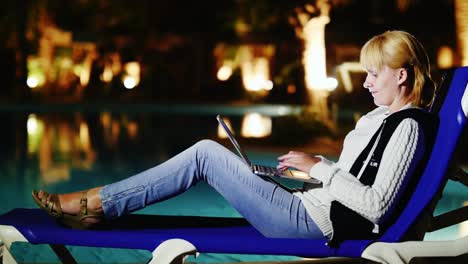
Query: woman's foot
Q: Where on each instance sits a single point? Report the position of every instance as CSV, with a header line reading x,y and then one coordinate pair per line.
x,y
77,209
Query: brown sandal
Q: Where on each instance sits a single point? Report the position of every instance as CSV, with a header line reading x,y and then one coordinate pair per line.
x,y
51,204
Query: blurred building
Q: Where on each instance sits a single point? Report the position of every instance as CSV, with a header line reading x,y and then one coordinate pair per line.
x,y
150,51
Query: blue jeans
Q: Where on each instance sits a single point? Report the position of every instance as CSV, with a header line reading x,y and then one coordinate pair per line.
x,y
271,209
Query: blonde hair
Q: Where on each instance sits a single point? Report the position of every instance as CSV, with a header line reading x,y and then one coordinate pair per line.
x,y
399,49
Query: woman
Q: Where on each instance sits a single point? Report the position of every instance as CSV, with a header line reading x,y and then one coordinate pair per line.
x,y
398,77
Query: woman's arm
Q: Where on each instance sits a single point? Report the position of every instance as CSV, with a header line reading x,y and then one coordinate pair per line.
x,y
404,150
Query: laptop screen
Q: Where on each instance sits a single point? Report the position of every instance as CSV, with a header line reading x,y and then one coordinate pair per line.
x,y
233,140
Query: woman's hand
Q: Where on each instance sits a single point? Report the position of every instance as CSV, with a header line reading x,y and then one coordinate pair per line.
x,y
299,160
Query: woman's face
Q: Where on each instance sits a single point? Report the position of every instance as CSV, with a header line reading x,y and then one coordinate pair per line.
x,y
386,87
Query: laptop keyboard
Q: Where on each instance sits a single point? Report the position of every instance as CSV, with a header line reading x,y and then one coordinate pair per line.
x,y
272,171
266,169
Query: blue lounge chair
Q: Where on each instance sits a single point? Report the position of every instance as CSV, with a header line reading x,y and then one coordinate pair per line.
x,y
171,242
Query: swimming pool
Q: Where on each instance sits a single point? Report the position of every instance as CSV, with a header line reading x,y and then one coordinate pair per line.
x,y
64,149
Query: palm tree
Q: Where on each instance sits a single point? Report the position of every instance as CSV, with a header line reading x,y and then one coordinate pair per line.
x,y
461,16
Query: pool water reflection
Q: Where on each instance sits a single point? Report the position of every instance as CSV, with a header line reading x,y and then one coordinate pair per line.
x,y
70,151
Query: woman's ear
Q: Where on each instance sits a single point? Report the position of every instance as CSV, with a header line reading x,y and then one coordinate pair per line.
x,y
402,75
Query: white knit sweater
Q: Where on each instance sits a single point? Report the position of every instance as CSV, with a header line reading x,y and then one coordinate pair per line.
x,y
400,157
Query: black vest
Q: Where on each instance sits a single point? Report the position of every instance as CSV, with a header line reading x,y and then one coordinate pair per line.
x,y
348,224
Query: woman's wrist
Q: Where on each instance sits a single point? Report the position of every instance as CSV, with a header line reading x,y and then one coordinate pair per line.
x,y
322,170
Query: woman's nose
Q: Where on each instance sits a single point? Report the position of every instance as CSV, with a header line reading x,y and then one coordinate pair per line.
x,y
366,85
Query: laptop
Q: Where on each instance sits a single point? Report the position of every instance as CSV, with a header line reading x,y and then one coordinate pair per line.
x,y
265,171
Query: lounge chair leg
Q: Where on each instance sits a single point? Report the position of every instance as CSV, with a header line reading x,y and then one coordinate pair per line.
x,y
403,252
8,235
7,258
173,251
63,254
460,176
